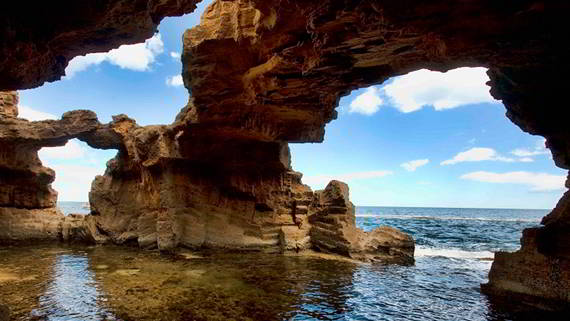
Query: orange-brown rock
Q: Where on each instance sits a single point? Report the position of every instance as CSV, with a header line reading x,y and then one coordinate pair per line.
x,y
156,193
333,229
27,201
541,267
24,182
9,103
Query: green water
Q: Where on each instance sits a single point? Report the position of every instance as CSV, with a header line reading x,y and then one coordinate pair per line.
x,y
112,283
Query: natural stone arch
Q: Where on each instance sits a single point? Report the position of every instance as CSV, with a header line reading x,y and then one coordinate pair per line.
x,y
27,201
264,73
294,61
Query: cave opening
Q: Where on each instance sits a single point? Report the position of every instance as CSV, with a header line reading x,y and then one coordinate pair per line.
x,y
433,155
440,136
75,164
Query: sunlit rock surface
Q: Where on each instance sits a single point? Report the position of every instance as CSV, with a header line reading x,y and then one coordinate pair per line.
x,y
27,202
163,192
333,230
9,103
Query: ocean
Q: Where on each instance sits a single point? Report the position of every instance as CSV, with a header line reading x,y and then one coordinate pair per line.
x,y
454,251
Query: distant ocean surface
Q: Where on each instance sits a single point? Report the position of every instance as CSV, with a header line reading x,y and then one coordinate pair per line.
x,y
459,233
74,207
454,251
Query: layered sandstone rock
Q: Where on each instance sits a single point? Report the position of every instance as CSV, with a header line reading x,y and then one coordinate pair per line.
x,y
333,229
157,194
9,103
171,186
24,182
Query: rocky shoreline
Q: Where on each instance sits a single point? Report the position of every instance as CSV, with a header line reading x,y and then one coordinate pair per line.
x,y
220,175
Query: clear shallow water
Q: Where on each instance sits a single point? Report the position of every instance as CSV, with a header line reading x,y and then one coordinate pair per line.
x,y
112,283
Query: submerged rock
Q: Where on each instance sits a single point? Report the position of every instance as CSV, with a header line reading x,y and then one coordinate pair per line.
x,y
539,271
4,313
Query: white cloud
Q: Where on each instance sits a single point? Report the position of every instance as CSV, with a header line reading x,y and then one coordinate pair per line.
x,y
136,57
33,115
413,164
175,81
175,55
526,160
539,149
477,154
537,181
71,150
447,90
318,180
366,103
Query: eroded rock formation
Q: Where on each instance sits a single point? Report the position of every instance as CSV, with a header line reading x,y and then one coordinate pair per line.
x,y
263,73
165,190
27,201
291,63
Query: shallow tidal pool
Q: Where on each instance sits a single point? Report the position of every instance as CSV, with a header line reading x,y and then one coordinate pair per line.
x,y
116,283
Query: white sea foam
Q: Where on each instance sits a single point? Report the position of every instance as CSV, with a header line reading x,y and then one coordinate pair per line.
x,y
453,253
450,218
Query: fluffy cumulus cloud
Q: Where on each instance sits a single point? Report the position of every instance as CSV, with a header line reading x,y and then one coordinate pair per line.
x,y
537,181
366,103
461,86
320,180
175,81
33,115
414,164
138,57
175,55
477,154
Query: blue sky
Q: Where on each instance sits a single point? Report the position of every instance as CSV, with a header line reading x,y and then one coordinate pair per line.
x,y
422,139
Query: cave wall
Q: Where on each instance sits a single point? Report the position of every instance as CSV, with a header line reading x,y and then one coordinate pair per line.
x,y
265,73
37,40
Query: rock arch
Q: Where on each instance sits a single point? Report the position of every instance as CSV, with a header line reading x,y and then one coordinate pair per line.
x,y
265,73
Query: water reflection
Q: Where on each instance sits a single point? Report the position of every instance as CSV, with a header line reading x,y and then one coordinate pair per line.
x,y
113,283
72,293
